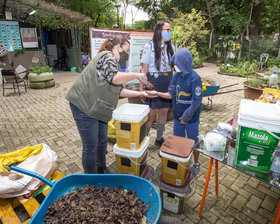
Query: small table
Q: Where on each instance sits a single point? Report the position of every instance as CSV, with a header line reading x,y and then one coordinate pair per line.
x,y
227,157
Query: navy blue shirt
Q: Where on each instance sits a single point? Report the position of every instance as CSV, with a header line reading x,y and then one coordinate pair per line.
x,y
185,90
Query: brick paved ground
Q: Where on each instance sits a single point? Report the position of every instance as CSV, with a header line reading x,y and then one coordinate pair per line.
x,y
43,116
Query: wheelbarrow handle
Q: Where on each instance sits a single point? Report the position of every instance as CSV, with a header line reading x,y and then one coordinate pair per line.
x,y
33,174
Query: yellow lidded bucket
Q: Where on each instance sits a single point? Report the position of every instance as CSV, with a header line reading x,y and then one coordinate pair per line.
x,y
175,154
131,125
132,162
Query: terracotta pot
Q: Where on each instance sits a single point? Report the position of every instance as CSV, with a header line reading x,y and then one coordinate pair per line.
x,y
252,93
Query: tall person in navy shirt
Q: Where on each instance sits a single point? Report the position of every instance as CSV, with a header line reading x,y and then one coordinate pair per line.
x,y
157,65
185,90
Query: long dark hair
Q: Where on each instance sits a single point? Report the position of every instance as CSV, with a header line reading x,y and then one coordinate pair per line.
x,y
110,43
157,43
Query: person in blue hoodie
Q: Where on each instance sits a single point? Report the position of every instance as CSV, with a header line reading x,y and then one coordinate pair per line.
x,y
185,90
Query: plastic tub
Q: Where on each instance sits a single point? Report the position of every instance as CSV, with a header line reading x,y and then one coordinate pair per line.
x,y
172,198
131,125
132,162
258,134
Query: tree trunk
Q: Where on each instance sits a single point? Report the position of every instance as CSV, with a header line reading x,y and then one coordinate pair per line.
x,y
241,46
248,34
256,17
214,38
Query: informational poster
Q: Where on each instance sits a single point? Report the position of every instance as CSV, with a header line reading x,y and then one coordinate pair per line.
x,y
99,36
10,35
29,37
137,42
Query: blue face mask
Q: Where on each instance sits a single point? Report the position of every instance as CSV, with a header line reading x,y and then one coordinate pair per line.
x,y
166,35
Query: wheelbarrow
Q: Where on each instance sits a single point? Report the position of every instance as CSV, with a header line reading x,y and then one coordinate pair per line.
x,y
213,90
144,190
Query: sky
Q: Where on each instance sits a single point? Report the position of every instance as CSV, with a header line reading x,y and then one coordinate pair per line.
x,y
140,14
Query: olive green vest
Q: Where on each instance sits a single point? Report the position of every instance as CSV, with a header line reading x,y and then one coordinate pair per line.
x,y
97,98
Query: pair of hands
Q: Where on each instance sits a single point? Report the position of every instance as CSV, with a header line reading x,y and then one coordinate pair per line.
x,y
149,94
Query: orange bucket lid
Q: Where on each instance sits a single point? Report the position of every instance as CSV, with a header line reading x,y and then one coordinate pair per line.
x,y
177,146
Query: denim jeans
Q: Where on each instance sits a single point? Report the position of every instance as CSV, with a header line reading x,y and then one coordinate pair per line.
x,y
94,139
191,129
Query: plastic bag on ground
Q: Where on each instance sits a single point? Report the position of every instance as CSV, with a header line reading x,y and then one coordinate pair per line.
x,y
14,184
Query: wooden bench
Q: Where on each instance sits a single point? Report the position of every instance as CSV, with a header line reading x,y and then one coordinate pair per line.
x,y
8,207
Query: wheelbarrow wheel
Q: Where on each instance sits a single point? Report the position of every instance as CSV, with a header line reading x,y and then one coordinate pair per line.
x,y
169,220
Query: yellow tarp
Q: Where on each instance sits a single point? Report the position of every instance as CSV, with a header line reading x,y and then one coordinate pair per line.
x,y
19,156
111,129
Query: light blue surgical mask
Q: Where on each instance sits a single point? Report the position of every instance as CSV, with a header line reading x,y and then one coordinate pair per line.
x,y
166,35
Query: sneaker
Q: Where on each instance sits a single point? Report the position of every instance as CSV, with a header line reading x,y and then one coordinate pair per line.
x,y
195,170
158,143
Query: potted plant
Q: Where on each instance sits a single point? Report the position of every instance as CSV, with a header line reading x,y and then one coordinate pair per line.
x,y
41,77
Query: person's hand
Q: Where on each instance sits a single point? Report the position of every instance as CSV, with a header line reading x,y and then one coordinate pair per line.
x,y
182,122
152,92
146,94
142,78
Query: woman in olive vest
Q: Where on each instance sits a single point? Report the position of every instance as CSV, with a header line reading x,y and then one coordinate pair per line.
x,y
94,96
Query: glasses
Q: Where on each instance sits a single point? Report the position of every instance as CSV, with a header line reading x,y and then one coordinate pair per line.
x,y
167,30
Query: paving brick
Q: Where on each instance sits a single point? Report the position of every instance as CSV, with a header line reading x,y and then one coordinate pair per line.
x,y
269,203
239,202
255,216
254,203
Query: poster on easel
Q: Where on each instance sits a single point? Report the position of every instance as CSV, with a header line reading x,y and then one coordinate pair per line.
x,y
10,35
137,41
29,37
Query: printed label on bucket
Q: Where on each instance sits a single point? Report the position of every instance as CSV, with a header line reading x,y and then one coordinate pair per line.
x,y
255,148
171,204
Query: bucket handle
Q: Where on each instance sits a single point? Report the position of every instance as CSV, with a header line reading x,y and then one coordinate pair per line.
x,y
181,164
270,132
140,163
116,123
32,174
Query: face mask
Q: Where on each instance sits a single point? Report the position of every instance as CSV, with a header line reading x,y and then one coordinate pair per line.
x,y
177,69
123,56
166,35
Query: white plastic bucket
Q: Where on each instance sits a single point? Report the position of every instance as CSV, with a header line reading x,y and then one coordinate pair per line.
x,y
132,162
258,134
131,125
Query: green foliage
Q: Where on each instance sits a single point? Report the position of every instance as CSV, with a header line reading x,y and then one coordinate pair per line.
x,y
255,82
187,29
41,69
243,68
273,61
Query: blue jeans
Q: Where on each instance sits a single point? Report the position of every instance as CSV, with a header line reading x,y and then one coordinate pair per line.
x,y
192,129
94,139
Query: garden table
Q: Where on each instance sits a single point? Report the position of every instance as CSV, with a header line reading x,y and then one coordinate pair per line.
x,y
227,157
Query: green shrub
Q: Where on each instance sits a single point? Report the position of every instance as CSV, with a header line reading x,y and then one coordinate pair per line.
x,y
41,69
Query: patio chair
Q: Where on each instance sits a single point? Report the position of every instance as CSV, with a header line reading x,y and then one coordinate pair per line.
x,y
12,80
263,60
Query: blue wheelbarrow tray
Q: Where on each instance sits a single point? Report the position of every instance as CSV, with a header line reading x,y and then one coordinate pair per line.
x,y
145,190
211,90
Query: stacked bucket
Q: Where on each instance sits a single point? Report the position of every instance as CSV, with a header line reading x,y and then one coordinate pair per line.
x,y
176,154
131,148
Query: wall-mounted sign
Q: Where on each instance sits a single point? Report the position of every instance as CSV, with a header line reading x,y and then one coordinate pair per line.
x,y
10,35
29,37
8,15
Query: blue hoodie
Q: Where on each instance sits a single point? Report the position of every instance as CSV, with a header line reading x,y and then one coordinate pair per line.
x,y
185,88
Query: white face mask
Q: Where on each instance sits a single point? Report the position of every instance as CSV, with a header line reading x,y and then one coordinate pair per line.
x,y
177,69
